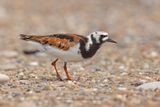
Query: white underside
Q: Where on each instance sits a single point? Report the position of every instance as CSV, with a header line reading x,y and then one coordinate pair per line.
x,y
65,55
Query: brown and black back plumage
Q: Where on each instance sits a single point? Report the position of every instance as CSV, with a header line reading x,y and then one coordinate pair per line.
x,y
60,41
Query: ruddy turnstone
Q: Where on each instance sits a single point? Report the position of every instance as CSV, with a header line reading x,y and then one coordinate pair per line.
x,y
70,47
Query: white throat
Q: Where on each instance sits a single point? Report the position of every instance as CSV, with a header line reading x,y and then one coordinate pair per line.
x,y
89,43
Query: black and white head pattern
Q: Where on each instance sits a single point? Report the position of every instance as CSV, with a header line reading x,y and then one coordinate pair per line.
x,y
97,37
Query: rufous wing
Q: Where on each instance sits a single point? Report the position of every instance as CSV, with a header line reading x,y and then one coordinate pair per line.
x,y
60,41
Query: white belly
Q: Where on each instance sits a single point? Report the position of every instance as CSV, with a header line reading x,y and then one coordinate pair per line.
x,y
69,55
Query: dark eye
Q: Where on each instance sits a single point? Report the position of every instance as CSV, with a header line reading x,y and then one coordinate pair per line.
x,y
103,35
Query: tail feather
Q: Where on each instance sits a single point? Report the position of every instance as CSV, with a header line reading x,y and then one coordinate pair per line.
x,y
25,37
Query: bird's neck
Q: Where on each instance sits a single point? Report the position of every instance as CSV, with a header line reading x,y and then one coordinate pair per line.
x,y
89,47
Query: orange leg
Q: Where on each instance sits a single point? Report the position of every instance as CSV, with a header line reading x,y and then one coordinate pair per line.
x,y
54,65
66,71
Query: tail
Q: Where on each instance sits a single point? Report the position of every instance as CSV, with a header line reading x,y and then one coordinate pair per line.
x,y
25,37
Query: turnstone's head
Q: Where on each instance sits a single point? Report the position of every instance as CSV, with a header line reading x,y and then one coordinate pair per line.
x,y
101,37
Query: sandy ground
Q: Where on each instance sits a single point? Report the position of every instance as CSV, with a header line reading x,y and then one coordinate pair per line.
x,y
109,79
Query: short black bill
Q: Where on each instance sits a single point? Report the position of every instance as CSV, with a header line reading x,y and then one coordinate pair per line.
x,y
110,40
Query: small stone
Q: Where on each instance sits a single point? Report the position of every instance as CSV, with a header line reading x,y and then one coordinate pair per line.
x,y
153,54
26,82
69,100
3,78
122,88
46,88
21,74
121,97
94,68
71,82
102,85
3,13
122,67
9,54
34,63
7,66
105,80
142,81
81,69
146,66
15,94
123,73
95,89
149,86
103,62
27,104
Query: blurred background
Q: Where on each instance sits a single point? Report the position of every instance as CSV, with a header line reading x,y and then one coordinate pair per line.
x,y
125,19
134,24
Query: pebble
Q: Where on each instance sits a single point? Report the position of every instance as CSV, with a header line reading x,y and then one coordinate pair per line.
x,y
26,82
3,78
105,80
123,74
122,88
149,86
3,13
146,66
95,89
142,81
94,68
9,54
121,67
27,104
7,66
103,62
153,54
34,63
71,83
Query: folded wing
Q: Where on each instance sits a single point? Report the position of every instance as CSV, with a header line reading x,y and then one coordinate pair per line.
x,y
60,41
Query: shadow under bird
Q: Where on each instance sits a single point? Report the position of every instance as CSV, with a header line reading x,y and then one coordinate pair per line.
x,y
69,47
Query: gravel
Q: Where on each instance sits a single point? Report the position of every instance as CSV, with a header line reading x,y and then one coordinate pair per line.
x,y
149,86
3,78
8,53
123,75
7,66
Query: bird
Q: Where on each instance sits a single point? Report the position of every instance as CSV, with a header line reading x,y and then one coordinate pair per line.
x,y
69,47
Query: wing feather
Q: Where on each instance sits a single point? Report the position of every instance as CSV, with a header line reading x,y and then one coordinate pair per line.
x,y
60,41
